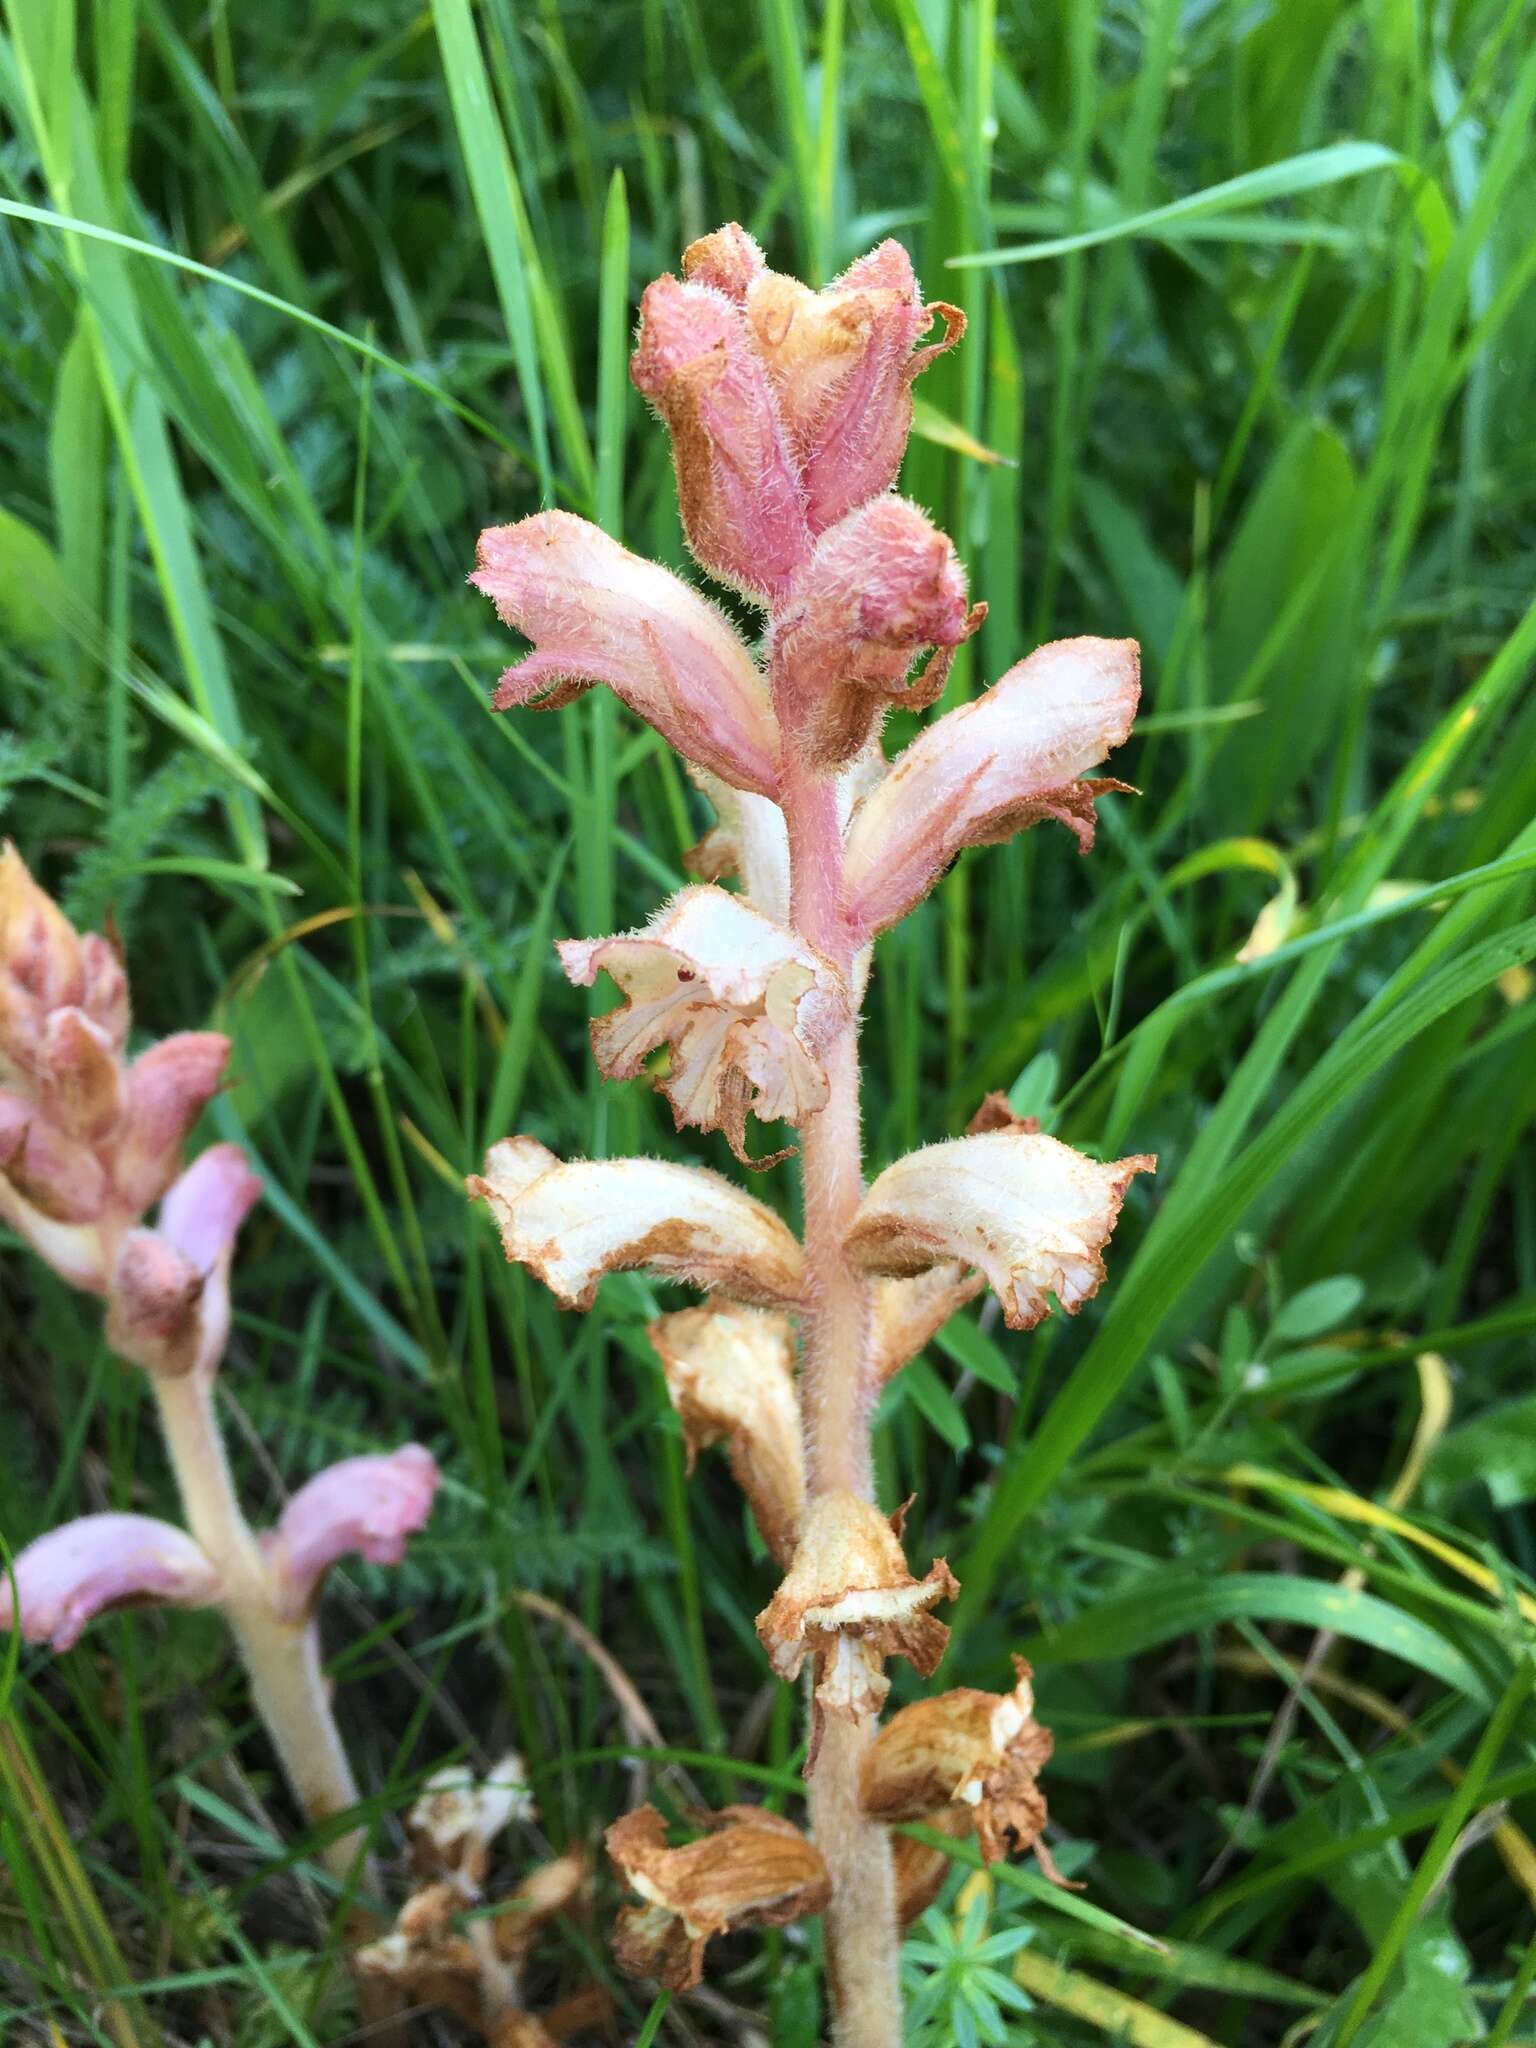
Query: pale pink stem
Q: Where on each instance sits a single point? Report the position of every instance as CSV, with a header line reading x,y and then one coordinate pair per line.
x,y
281,1657
837,1397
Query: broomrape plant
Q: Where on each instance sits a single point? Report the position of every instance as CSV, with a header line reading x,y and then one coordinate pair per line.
x,y
90,1143
789,411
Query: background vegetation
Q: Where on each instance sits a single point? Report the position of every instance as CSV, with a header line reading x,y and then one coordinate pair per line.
x,y
359,280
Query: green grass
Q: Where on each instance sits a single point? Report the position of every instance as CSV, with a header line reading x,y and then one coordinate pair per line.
x,y
1252,295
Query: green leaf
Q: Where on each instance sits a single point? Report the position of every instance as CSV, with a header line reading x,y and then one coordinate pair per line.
x,y
1284,180
34,598
1322,1306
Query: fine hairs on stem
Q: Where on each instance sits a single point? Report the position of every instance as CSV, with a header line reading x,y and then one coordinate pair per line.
x,y
789,411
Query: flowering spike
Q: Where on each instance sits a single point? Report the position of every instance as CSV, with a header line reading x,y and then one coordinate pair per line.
x,y
68,1577
991,768
573,1223
1029,1211
598,614
730,1372
745,1007
841,363
883,584
754,1869
738,487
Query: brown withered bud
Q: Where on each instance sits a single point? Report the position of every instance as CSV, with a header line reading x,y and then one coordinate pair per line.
x,y
730,1373
753,1869
849,1602
964,1752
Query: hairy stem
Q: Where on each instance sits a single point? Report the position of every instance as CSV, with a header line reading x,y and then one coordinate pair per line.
x,y
282,1658
837,1397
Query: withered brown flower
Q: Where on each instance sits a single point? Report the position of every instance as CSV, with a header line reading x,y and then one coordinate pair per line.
x,y
752,1869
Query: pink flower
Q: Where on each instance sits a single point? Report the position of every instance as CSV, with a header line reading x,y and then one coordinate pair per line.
x,y
738,484
369,1505
168,1301
841,364
597,613
988,770
883,584
68,1577
167,1089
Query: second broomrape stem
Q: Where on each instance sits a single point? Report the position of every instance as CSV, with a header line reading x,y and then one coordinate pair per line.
x,y
863,1942
282,1658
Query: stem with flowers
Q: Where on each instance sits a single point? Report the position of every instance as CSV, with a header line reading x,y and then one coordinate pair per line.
x,y
90,1143
789,412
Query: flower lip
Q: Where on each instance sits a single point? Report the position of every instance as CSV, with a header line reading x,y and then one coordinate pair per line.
x,y
598,614
572,1222
99,1562
1033,1214
369,1504
995,766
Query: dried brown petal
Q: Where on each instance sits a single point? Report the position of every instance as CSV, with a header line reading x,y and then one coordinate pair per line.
x,y
731,1375
920,1868
849,1602
573,1223
964,1751
754,1869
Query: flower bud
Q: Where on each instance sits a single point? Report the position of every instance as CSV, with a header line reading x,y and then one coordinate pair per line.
x,y
1029,1211
842,366
744,1005
727,261
989,769
79,1075
597,613
68,1577
167,1090
572,1223
849,1602
737,484
369,1505
730,1374
883,584
41,968
978,1753
754,1869
105,1000
168,1302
